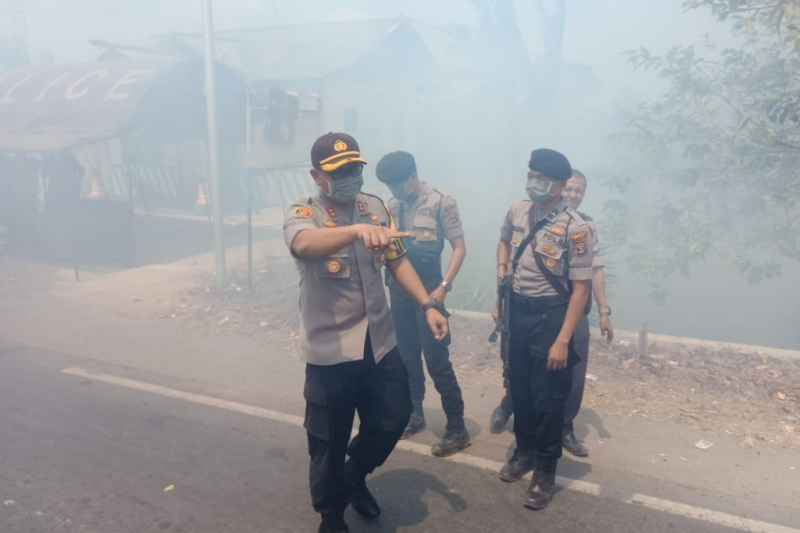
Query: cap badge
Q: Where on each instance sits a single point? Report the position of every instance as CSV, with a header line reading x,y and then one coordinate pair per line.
x,y
340,146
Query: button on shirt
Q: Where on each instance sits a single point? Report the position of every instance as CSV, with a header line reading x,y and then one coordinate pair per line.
x,y
341,296
565,243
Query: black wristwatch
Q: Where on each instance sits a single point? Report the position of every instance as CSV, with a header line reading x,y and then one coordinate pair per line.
x,y
431,304
604,311
447,286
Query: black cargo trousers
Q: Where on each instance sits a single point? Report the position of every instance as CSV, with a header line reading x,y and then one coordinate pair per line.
x,y
538,395
333,394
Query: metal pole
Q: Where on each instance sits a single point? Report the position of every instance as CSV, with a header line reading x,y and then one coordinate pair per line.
x,y
213,141
249,182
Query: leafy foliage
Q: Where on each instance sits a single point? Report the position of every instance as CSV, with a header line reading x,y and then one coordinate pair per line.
x,y
718,156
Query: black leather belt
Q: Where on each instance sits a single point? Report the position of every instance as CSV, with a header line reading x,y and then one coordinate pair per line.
x,y
536,304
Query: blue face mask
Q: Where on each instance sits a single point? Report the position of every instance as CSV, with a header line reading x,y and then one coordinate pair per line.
x,y
345,189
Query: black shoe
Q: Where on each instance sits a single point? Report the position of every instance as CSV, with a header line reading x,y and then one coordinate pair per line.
x,y
499,419
415,424
359,496
541,490
333,523
519,465
573,445
455,439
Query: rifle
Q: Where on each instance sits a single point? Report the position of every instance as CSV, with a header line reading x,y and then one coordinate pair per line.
x,y
502,328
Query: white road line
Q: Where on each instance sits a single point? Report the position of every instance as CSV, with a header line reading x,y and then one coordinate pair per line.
x,y
714,517
188,396
657,504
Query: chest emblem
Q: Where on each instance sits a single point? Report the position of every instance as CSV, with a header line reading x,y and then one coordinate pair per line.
x,y
333,266
329,224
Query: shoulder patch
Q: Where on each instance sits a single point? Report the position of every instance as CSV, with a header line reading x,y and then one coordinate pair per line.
x,y
303,211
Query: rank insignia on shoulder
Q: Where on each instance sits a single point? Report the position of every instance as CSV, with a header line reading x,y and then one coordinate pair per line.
x,y
332,212
329,224
304,212
333,266
361,208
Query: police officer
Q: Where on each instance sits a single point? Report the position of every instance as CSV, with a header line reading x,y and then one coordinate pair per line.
x,y
430,216
573,194
546,247
342,238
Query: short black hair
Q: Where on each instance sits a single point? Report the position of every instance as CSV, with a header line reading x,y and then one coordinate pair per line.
x,y
578,173
396,167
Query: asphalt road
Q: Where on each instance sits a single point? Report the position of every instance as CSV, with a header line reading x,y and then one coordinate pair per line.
x,y
79,454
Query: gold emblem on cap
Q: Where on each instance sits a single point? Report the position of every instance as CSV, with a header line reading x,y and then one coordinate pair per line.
x,y
340,146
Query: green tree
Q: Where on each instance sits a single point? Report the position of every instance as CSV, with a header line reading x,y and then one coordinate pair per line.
x,y
715,172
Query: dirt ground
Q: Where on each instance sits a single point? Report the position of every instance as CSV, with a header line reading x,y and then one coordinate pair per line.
x,y
752,397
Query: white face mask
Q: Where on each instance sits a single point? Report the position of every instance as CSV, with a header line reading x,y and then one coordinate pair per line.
x,y
539,190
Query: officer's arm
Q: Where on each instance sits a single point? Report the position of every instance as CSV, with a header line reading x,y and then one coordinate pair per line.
x,y
599,286
323,242
503,258
577,304
599,290
319,243
408,279
459,246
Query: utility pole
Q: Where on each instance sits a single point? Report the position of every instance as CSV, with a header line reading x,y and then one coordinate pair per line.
x,y
213,142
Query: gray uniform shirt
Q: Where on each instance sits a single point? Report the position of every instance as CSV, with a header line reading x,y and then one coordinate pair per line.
x,y
432,218
565,244
341,295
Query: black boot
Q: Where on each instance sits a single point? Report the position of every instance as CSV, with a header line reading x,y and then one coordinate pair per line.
x,y
333,523
573,445
359,496
541,490
499,420
415,424
456,438
520,464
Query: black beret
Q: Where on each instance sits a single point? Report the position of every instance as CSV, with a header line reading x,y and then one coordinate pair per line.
x,y
396,167
551,163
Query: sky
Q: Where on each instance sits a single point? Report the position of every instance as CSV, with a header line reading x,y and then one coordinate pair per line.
x,y
597,31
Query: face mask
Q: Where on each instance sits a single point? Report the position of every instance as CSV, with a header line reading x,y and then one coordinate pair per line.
x,y
401,193
539,190
345,189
